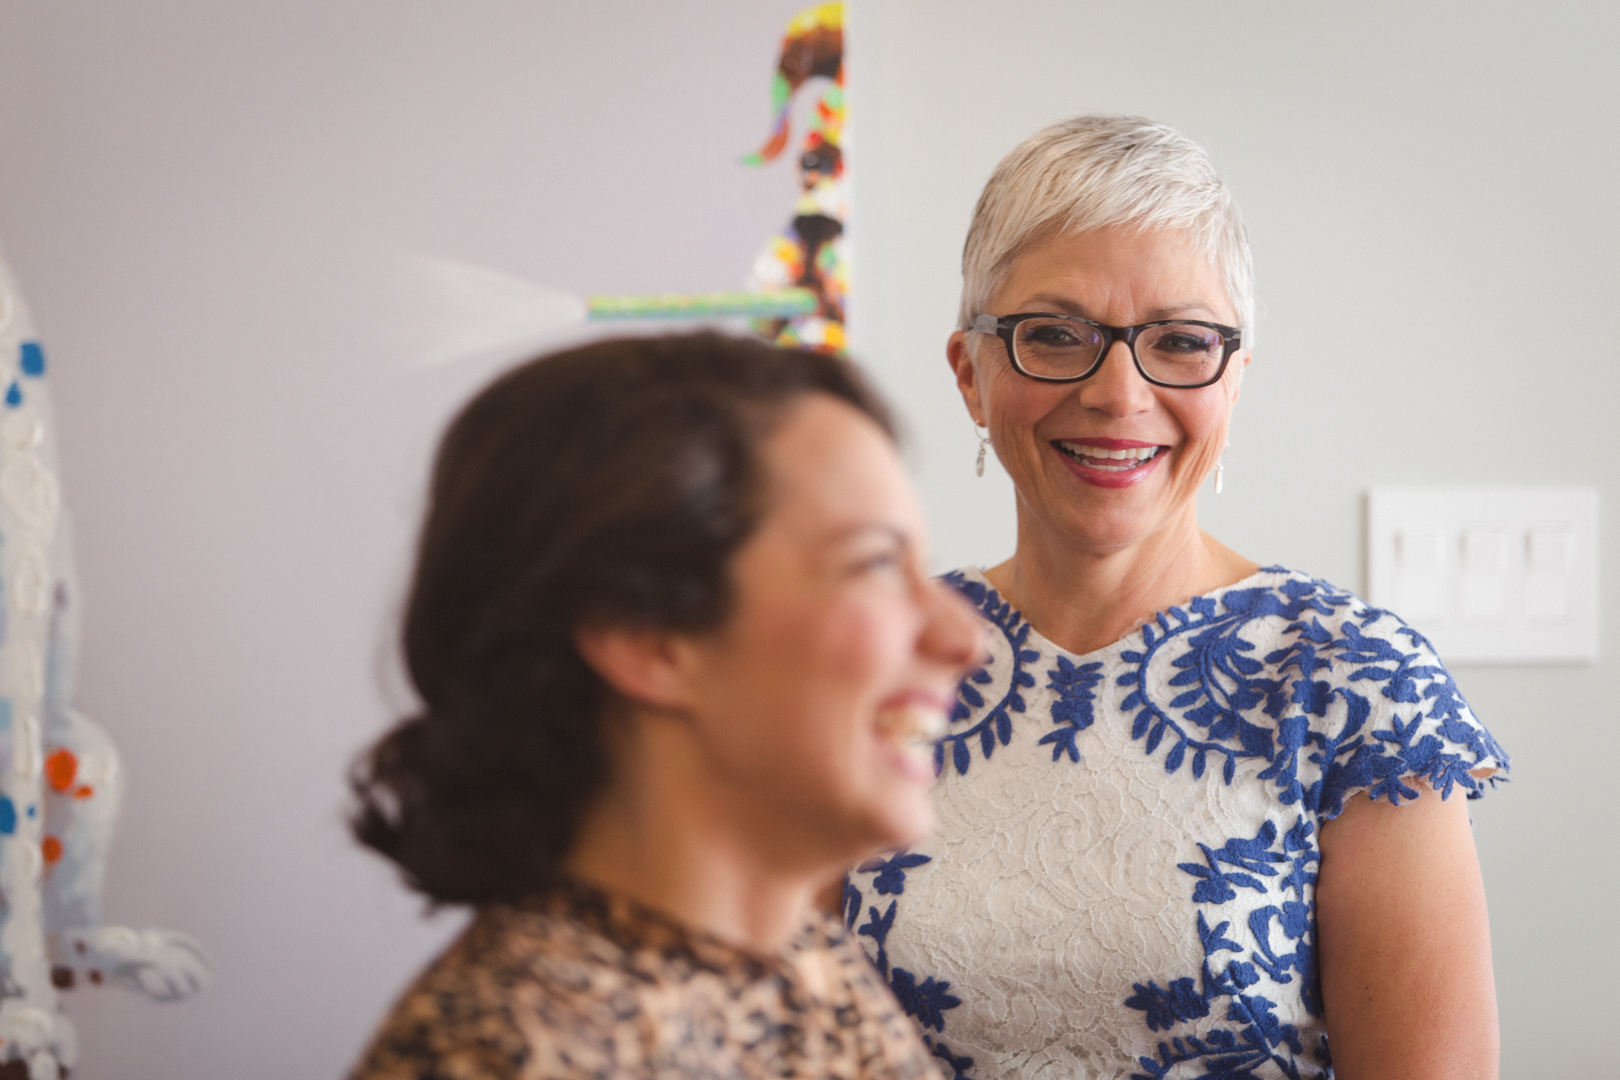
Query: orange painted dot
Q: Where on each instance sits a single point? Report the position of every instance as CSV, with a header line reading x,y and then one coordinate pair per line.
x,y
60,769
84,792
51,849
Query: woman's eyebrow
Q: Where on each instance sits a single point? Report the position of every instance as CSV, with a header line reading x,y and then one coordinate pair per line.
x,y
1066,306
857,530
1055,302
1173,310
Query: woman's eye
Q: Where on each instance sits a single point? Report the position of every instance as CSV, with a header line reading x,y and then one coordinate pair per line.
x,y
1053,337
1183,343
877,562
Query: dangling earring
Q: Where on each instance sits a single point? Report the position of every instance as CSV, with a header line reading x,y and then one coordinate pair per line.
x,y
1220,474
984,440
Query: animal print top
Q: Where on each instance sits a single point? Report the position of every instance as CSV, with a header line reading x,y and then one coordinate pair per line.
x,y
581,984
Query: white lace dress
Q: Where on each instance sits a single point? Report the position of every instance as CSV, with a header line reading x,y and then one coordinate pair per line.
x,y
1122,882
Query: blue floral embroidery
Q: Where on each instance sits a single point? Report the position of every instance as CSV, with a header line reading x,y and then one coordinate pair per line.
x,y
1074,710
1219,682
1305,712
891,872
1258,1037
996,724
959,1065
927,999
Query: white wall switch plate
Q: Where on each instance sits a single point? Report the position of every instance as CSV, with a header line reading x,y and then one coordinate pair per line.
x,y
1490,575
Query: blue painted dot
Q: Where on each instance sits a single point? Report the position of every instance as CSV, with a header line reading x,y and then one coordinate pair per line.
x,y
33,811
14,394
8,815
33,359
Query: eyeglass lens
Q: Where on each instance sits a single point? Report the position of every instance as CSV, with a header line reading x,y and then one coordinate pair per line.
x,y
1181,354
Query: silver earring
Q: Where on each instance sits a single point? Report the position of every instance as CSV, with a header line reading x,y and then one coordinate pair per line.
x,y
984,440
1220,475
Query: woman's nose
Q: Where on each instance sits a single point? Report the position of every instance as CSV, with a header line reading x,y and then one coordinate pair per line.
x,y
954,634
1117,388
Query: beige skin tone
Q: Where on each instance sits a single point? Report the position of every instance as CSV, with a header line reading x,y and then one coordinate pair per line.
x,y
1403,938
752,763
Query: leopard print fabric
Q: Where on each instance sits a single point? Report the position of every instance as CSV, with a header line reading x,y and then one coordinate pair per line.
x,y
581,984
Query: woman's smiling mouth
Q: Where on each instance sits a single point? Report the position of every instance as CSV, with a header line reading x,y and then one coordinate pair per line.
x,y
1110,462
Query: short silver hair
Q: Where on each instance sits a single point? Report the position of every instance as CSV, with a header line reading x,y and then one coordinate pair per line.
x,y
1094,171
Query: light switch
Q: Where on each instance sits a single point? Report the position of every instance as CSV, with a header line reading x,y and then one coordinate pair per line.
x,y
1421,563
1490,575
1483,586
1549,558
1552,548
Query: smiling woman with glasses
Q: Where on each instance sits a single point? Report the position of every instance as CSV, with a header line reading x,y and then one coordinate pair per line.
x,y
1197,818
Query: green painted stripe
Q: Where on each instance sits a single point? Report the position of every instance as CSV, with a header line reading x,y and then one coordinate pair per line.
x,y
781,303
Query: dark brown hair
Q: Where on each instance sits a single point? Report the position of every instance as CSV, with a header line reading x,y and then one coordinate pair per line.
x,y
607,483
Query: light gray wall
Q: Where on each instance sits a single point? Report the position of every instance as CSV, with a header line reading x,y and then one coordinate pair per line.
x,y
1430,194
191,193
195,194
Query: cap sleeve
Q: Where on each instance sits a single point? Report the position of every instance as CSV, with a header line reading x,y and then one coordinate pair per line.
x,y
1406,720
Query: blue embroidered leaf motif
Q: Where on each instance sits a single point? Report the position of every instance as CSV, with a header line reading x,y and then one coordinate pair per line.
x,y
891,872
927,1000
1168,1006
877,928
995,725
1214,940
959,1066
1218,886
1075,707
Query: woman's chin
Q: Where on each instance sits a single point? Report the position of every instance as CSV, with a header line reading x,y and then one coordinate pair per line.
x,y
907,812
904,824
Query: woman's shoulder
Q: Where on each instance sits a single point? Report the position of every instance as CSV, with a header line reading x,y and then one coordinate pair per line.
x,y
548,987
1349,687
1309,620
456,1019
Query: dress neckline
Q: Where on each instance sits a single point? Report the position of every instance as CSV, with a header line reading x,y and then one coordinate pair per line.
x,y
635,927
1048,646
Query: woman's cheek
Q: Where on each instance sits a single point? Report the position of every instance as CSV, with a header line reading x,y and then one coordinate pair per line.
x,y
865,648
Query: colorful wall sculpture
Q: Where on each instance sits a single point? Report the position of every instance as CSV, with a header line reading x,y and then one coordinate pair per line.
x,y
797,290
59,773
798,287
811,253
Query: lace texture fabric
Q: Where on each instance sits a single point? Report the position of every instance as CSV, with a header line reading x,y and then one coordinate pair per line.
x,y
1122,880
581,984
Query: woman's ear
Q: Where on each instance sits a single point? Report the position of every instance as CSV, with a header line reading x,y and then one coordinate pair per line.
x,y
645,666
959,353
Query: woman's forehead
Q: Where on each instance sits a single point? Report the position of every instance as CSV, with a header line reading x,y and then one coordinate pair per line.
x,y
1159,273
832,469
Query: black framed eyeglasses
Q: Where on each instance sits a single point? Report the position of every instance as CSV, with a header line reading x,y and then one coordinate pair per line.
x,y
1180,353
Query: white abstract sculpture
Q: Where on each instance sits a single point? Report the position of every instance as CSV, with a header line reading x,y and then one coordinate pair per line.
x,y
59,773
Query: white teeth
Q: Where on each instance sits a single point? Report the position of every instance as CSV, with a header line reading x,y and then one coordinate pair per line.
x,y
1135,455
913,722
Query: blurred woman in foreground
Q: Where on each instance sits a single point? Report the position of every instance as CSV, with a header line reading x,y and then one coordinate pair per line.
x,y
679,660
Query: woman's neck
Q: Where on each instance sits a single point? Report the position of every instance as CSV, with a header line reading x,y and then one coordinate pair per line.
x,y
662,837
1083,600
